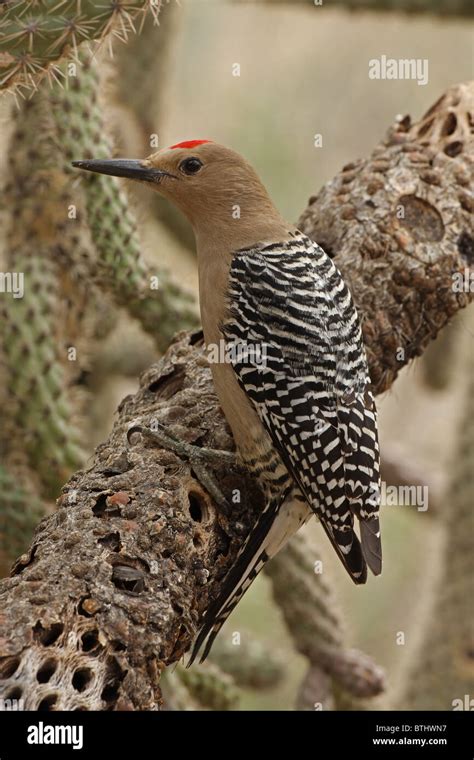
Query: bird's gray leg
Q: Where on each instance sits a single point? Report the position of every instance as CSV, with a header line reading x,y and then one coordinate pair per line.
x,y
197,457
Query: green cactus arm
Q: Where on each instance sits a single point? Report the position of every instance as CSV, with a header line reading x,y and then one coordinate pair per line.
x,y
20,511
253,664
209,686
36,35
443,675
308,606
40,402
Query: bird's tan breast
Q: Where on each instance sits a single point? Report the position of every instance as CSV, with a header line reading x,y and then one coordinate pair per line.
x,y
249,435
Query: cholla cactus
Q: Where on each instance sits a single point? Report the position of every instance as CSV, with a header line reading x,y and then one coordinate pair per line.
x,y
209,687
36,35
63,234
337,676
443,672
20,510
253,664
47,319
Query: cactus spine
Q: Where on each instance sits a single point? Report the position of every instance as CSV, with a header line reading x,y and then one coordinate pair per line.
x,y
36,35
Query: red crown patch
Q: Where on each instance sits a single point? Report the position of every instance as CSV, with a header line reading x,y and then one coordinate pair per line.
x,y
189,144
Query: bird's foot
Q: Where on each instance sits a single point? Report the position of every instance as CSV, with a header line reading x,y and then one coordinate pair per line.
x,y
199,458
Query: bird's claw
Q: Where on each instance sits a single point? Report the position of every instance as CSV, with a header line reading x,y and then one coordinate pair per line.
x,y
197,457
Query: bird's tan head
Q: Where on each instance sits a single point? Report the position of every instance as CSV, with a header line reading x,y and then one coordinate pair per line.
x,y
215,187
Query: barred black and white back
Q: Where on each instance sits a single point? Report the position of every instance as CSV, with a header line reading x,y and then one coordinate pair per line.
x,y
310,387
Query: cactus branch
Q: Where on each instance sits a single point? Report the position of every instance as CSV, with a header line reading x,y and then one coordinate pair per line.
x,y
444,671
305,598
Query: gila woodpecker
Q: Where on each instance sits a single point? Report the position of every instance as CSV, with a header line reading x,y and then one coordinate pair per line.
x,y
297,394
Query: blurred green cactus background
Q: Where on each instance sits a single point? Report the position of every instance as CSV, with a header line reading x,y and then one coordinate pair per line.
x,y
108,276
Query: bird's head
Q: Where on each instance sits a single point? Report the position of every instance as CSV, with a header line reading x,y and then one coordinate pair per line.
x,y
215,187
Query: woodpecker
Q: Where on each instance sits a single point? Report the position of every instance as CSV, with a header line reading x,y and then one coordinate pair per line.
x,y
297,393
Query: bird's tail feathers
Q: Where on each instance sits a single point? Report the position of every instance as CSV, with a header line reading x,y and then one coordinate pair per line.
x,y
371,543
349,551
248,564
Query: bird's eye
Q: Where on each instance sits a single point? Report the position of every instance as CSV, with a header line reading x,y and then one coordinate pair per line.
x,y
190,165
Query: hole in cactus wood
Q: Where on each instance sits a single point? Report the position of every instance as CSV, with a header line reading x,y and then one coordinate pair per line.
x,y
81,679
425,127
115,676
166,386
46,671
47,636
48,703
128,579
450,124
90,640
453,149
197,507
110,692
196,337
14,693
9,666
111,541
466,247
99,507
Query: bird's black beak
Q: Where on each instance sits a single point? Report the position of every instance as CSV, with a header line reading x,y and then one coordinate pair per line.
x,y
123,167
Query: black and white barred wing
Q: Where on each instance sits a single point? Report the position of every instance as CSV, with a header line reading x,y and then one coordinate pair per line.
x,y
306,374
358,416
